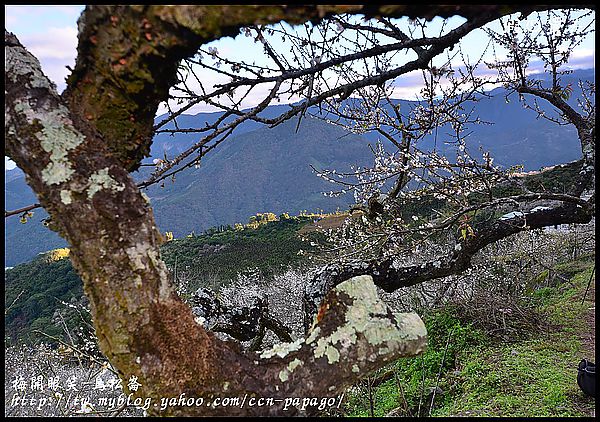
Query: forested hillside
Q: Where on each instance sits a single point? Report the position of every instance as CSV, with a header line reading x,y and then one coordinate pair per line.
x,y
264,247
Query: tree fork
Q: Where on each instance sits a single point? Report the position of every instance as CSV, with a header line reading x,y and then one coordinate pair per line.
x,y
144,329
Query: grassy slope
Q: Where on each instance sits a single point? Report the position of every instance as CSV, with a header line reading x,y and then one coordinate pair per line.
x,y
535,377
532,376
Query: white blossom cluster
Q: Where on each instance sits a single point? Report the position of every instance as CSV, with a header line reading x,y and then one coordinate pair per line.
x,y
283,292
44,380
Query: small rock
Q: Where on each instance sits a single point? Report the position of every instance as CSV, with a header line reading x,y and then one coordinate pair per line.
x,y
398,411
438,391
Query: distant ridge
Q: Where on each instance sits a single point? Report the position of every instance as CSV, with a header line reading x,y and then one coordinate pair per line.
x,y
268,170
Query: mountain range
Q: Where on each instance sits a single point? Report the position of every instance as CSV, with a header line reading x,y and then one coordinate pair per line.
x,y
262,169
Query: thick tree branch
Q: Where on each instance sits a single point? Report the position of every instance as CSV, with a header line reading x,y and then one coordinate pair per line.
x,y
553,98
586,131
390,274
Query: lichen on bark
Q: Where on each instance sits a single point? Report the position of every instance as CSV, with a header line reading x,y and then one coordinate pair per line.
x,y
142,326
369,317
100,180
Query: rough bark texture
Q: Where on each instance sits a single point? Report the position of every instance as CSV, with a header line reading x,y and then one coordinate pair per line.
x,y
77,151
76,156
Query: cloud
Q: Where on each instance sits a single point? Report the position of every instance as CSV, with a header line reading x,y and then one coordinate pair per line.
x,y
53,43
20,15
49,33
582,59
8,163
55,49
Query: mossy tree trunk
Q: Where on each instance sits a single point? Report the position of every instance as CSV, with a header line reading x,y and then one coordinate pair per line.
x,y
77,151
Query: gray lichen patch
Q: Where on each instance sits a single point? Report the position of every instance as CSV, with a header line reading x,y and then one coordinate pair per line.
x,y
411,324
18,62
102,180
326,348
57,138
142,256
165,289
369,316
56,133
284,374
65,197
313,335
282,349
137,255
294,364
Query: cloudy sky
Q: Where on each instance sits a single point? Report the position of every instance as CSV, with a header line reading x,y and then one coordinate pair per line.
x,y
50,33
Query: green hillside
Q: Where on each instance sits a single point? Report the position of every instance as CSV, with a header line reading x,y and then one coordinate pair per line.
x,y
264,246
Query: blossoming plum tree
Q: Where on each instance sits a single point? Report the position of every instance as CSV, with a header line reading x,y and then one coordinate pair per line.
x,y
77,150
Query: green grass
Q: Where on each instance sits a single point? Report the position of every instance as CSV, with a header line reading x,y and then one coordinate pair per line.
x,y
530,378
441,326
534,375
